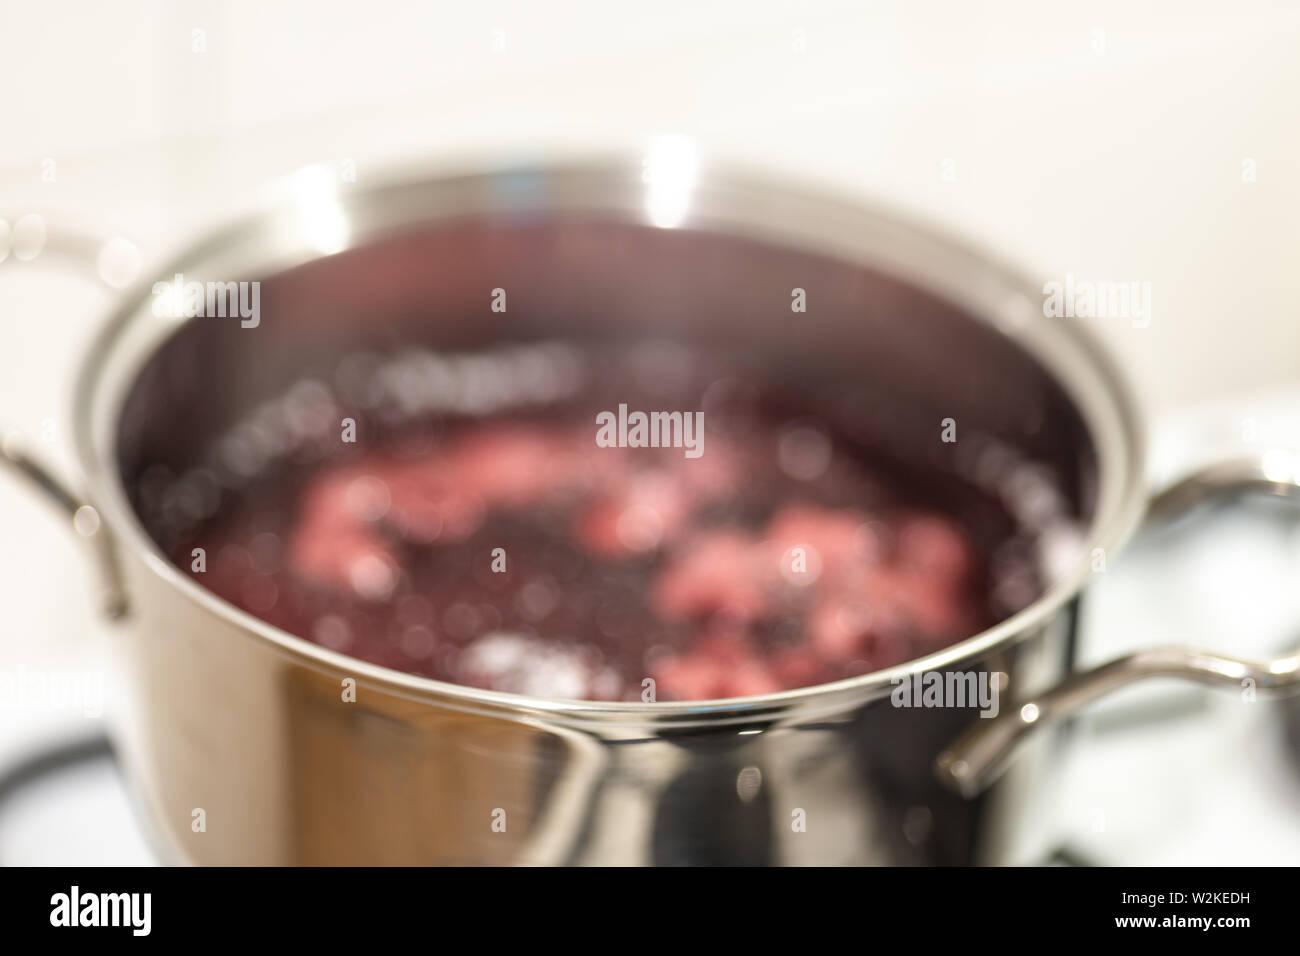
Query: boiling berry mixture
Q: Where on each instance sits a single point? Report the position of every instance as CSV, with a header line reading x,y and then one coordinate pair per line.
x,y
476,532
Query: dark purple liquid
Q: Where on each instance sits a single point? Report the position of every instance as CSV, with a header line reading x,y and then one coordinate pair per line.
x,y
510,551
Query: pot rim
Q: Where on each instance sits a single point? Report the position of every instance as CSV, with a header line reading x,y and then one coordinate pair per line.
x,y
727,200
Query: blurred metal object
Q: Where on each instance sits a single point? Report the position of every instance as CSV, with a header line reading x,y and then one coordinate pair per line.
x,y
114,261
81,517
247,742
980,755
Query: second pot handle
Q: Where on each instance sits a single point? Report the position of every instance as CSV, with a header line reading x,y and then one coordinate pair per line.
x,y
81,517
115,262
979,756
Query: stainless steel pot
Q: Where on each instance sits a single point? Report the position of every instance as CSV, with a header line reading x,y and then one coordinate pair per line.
x,y
248,724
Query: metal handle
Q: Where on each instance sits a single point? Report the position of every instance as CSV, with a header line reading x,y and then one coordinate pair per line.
x,y
978,757
83,518
115,261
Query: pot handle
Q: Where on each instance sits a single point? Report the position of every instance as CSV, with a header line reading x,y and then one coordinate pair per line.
x,y
115,262
82,517
980,755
